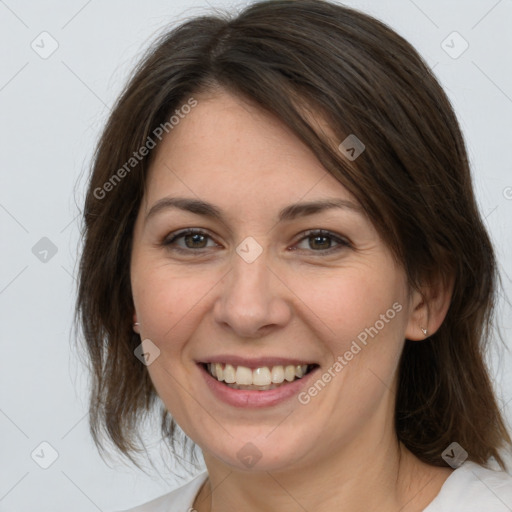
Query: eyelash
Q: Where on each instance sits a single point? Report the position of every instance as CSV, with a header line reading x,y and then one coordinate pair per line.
x,y
342,243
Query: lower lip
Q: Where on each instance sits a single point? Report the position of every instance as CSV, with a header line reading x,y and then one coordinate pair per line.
x,y
255,398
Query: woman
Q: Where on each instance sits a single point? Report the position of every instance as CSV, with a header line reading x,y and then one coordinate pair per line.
x,y
282,247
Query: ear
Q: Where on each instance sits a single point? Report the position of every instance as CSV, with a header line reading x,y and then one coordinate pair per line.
x,y
428,308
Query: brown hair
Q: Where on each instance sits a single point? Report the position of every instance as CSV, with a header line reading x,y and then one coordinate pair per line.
x,y
303,60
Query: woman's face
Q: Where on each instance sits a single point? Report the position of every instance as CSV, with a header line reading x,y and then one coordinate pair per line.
x,y
261,289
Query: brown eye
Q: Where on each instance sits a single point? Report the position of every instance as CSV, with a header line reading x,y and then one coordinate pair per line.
x,y
322,241
192,239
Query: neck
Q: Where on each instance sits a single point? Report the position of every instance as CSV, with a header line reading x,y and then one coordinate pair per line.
x,y
396,479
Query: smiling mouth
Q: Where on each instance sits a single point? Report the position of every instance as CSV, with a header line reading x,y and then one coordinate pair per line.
x,y
263,378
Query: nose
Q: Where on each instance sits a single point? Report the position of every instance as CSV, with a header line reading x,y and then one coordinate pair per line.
x,y
253,299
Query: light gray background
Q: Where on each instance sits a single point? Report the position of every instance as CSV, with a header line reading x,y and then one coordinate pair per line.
x,y
52,111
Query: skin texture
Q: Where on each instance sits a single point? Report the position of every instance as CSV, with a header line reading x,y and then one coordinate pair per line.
x,y
209,301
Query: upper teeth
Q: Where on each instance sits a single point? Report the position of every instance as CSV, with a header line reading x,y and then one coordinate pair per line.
x,y
263,376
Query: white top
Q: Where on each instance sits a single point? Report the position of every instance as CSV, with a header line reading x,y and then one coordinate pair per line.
x,y
469,488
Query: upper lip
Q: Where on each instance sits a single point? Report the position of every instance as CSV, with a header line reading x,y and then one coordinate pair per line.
x,y
256,362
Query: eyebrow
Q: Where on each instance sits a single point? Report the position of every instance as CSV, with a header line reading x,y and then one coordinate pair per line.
x,y
288,213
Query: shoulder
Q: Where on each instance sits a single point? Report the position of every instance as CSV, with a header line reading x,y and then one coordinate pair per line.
x,y
179,500
472,488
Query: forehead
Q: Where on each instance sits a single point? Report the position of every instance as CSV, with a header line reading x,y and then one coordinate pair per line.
x,y
227,147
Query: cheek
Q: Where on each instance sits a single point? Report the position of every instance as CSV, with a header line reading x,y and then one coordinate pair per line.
x,y
168,300
347,303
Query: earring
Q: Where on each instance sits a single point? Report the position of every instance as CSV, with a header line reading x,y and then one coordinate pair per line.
x,y
135,324
135,327
425,331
